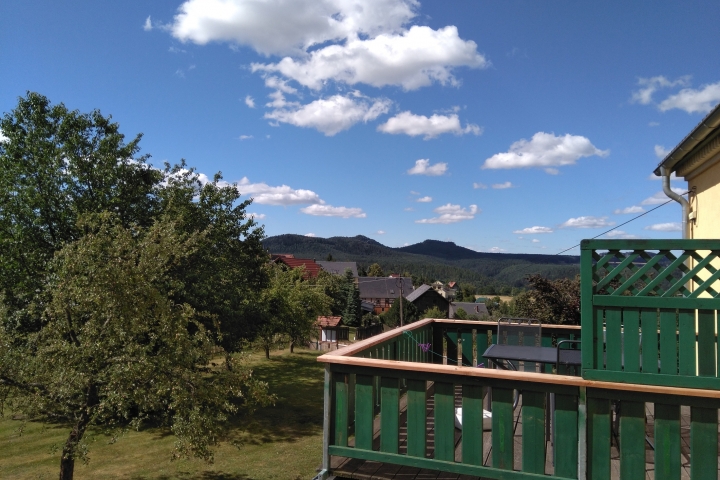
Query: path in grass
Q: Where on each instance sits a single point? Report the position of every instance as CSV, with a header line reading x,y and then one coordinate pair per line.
x,y
280,442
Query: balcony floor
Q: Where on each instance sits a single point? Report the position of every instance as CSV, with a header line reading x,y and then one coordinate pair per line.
x,y
346,468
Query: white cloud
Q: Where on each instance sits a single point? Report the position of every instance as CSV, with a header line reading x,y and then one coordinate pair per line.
x,y
380,232
693,101
533,230
648,86
497,250
249,101
535,240
620,234
587,222
545,150
256,216
413,192
424,200
147,26
654,124
502,186
629,210
245,137
330,211
414,125
310,235
283,195
3,138
661,152
409,209
414,58
423,167
477,185
552,171
451,214
277,27
665,227
660,197
328,115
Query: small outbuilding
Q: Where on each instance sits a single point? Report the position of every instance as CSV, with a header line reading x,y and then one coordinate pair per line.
x,y
424,297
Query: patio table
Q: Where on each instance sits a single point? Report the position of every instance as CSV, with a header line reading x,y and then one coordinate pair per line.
x,y
499,354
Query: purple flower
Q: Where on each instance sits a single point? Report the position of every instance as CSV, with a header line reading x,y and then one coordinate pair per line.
x,y
481,365
424,346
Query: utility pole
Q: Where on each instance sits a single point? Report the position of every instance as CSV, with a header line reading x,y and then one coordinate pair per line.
x,y
399,283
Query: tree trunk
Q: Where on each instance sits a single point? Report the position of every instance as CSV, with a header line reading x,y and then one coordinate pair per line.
x,y
67,460
292,346
267,352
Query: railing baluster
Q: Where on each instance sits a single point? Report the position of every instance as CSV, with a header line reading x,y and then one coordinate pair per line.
x,y
706,342
472,423
565,443
341,409
416,418
502,428
364,411
444,421
632,440
649,321
667,441
631,339
389,411
686,347
668,342
613,339
703,443
533,432
598,438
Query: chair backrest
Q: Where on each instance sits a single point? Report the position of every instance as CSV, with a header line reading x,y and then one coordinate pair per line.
x,y
519,331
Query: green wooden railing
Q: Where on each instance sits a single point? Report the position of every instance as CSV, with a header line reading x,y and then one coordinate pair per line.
x,y
649,311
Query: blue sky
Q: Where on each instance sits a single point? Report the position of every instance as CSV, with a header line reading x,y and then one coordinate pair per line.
x,y
516,126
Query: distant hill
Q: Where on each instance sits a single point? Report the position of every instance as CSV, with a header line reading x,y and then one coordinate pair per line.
x,y
432,259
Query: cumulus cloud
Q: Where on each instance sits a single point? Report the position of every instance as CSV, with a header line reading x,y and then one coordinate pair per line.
x,y
450,213
497,250
535,240
249,101
423,167
665,227
330,211
264,194
414,125
620,234
310,235
648,86
424,200
660,197
629,210
661,152
477,185
691,100
3,138
256,216
245,137
502,186
545,150
533,230
328,115
359,42
587,222
414,58
147,26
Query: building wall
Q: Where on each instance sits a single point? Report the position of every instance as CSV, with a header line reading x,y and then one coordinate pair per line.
x,y
706,203
432,299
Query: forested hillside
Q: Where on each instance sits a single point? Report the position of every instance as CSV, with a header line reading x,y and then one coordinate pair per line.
x,y
493,273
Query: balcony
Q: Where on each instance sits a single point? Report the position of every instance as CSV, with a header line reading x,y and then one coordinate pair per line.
x,y
643,405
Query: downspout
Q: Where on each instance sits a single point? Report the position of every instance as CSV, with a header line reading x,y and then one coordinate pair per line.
x,y
678,198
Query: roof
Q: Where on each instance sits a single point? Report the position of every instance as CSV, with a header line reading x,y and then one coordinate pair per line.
x,y
469,307
338,268
451,284
699,146
329,321
367,306
383,287
422,290
311,267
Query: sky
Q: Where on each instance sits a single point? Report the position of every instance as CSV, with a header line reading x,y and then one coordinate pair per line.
x,y
514,126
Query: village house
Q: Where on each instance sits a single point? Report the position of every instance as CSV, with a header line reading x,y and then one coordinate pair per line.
x,y
447,291
425,297
383,291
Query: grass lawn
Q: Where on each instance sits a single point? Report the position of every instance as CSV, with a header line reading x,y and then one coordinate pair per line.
x,y
280,442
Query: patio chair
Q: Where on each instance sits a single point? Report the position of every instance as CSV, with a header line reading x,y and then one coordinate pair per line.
x,y
519,331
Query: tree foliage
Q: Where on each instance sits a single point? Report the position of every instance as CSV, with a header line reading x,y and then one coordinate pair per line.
x,y
375,270
391,317
113,349
550,301
433,312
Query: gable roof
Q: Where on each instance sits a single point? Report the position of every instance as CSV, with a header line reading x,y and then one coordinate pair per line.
x,y
329,321
338,268
701,145
311,267
383,287
422,290
469,307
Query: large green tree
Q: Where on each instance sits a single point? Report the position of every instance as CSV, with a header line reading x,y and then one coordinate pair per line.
x,y
113,348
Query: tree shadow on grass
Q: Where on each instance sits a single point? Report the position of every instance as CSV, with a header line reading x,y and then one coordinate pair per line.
x,y
297,380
